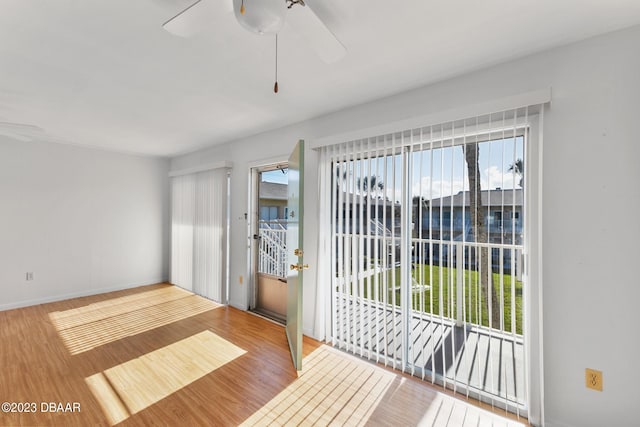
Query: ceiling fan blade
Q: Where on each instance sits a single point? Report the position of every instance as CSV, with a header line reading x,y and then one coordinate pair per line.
x,y
20,131
194,18
306,23
15,136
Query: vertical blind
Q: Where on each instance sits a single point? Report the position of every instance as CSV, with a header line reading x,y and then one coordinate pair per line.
x,y
426,252
198,232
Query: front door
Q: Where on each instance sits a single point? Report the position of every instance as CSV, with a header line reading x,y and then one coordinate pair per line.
x,y
270,259
294,253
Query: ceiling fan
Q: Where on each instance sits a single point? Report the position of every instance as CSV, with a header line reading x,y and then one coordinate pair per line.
x,y
20,131
264,17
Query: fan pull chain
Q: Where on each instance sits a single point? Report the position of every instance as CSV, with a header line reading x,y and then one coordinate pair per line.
x,y
275,86
242,8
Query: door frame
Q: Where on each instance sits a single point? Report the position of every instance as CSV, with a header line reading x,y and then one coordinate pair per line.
x,y
253,217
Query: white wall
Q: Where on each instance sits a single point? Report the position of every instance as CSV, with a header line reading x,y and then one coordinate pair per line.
x,y
591,200
83,221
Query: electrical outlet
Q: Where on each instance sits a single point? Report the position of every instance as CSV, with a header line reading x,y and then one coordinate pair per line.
x,y
593,379
29,276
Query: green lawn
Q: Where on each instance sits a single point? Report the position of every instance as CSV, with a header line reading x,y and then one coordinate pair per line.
x,y
440,298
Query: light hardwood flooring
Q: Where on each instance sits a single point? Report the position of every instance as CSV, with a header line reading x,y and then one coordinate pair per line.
x,y
158,355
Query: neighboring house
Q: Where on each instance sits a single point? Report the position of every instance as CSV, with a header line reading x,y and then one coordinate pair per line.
x,y
379,214
446,219
451,219
273,201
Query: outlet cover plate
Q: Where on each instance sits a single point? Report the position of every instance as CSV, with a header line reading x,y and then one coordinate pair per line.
x,y
593,379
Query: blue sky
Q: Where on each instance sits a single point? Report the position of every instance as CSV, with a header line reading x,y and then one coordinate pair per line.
x,y
275,176
443,172
440,172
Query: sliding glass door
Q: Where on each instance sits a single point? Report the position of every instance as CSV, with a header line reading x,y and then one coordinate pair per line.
x,y
428,238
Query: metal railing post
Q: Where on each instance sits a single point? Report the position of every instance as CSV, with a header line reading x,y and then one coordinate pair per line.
x,y
459,283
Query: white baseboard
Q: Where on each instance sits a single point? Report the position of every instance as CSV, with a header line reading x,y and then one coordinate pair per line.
x,y
552,423
83,293
235,304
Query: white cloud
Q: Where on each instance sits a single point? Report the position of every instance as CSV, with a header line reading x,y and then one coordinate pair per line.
x,y
429,188
491,178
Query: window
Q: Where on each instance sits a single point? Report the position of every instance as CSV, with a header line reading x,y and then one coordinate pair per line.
x,y
446,219
497,219
268,213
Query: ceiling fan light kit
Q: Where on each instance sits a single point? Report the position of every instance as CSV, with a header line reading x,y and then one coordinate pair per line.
x,y
260,16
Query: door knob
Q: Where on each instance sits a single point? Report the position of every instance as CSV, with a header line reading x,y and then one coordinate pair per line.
x,y
299,267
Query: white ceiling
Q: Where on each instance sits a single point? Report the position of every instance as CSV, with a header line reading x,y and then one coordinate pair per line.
x,y
104,73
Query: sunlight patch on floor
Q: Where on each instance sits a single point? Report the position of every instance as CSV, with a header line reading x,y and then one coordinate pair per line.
x,y
333,388
139,383
93,325
447,411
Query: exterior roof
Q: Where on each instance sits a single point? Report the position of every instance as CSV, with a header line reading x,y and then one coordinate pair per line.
x,y
273,191
489,198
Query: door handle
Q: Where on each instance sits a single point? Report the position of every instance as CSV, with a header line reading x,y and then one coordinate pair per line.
x,y
299,267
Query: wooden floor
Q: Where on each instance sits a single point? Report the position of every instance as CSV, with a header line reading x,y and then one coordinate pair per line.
x,y
157,355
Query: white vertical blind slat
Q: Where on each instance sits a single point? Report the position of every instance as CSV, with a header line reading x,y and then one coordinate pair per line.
x,y
182,214
368,246
377,266
361,261
387,242
198,232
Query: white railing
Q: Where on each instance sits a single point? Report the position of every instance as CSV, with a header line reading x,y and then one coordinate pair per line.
x,y
449,279
272,248
434,318
453,267
463,289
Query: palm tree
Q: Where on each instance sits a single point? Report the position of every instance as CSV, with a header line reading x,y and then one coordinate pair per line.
x,y
341,179
518,168
369,183
419,206
479,229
